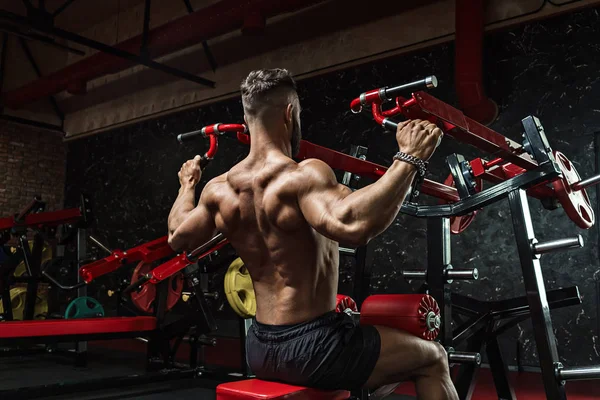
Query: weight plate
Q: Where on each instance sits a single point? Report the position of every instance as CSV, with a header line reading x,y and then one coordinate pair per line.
x,y
459,223
145,298
575,202
84,307
17,300
239,289
46,256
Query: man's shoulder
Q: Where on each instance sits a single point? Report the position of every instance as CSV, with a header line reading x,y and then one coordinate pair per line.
x,y
213,187
312,166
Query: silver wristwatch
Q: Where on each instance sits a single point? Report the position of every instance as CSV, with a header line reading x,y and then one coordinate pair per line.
x,y
416,161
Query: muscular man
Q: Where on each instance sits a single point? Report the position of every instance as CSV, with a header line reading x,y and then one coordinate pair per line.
x,y
285,220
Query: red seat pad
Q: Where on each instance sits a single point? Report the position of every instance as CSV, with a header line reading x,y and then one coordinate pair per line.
x,y
258,389
418,314
83,326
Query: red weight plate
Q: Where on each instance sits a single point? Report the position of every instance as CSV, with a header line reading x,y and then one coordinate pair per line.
x,y
575,202
459,223
145,298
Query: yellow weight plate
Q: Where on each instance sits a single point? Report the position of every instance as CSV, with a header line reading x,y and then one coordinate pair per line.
x,y
239,290
46,255
17,299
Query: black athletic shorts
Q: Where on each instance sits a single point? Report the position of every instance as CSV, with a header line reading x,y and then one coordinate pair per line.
x,y
330,352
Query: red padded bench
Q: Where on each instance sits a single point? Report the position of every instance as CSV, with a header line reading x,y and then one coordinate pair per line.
x,y
83,326
257,389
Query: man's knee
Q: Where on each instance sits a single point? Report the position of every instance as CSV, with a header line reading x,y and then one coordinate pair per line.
x,y
439,356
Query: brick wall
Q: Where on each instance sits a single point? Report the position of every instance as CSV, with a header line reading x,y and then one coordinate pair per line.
x,y
32,162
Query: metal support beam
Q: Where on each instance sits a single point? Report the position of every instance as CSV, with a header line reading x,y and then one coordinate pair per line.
x,y
536,294
466,377
136,59
362,273
63,7
499,369
438,258
27,51
41,38
81,347
209,55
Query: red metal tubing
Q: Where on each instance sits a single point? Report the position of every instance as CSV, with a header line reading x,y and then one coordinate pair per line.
x,y
396,110
214,145
217,19
365,99
469,62
178,263
243,138
232,128
377,115
147,252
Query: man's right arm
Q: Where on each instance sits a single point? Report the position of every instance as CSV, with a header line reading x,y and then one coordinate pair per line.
x,y
354,218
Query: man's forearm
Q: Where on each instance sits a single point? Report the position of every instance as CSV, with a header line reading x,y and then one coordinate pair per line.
x,y
183,205
376,206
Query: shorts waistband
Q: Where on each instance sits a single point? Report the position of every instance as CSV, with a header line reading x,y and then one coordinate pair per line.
x,y
293,331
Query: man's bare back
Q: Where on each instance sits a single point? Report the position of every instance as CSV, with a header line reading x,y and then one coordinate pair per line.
x,y
293,267
285,220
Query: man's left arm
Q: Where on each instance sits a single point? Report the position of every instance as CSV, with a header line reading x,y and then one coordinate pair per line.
x,y
189,225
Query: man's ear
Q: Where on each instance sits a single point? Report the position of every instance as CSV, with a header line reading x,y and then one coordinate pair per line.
x,y
289,114
245,120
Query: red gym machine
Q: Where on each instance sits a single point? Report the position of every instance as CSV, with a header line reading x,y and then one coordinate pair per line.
x,y
516,170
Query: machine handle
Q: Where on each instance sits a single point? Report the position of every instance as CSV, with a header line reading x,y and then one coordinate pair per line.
x,y
377,96
62,287
186,137
426,83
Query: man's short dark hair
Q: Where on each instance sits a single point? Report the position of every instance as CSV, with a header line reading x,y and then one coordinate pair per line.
x,y
267,88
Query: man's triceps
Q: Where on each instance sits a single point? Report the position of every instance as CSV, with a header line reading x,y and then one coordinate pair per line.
x,y
196,227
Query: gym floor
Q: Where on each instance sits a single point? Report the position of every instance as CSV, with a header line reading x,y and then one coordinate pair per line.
x,y
104,363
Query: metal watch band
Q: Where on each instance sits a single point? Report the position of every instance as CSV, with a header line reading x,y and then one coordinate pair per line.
x,y
416,161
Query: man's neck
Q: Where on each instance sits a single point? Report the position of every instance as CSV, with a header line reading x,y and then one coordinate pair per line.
x,y
265,140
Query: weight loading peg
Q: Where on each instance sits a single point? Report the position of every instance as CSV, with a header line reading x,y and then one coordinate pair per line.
x,y
463,357
556,245
576,373
449,274
211,295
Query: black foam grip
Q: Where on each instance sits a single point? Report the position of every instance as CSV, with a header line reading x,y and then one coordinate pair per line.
x,y
184,137
204,162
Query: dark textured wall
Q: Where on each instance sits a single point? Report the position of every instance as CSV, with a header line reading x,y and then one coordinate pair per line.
x,y
549,69
32,163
